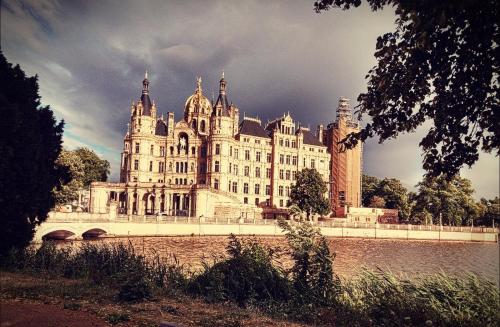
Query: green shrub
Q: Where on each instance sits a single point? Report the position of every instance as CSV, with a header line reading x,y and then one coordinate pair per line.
x,y
167,273
135,287
314,282
117,317
247,276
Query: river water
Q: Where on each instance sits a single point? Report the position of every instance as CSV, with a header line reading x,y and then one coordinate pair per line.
x,y
398,256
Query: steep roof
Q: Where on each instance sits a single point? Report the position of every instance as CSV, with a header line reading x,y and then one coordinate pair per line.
x,y
222,101
146,104
309,138
161,128
253,128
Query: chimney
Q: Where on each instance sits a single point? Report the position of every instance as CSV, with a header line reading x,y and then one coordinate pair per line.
x,y
320,132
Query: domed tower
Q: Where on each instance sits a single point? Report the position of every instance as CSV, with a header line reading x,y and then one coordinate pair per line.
x,y
223,128
140,143
197,110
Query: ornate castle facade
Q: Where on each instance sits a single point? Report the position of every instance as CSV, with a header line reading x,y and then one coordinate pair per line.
x,y
215,163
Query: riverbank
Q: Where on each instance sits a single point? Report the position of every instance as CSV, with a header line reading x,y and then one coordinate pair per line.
x,y
28,300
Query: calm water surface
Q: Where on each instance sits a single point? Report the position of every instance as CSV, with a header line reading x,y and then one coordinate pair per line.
x,y
409,257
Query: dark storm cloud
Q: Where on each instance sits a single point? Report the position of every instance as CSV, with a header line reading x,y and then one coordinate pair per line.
x,y
277,56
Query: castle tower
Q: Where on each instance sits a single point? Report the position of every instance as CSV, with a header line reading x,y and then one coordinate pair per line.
x,y
223,127
345,164
140,144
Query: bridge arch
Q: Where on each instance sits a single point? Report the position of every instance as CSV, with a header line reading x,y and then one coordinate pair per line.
x,y
93,233
57,233
69,230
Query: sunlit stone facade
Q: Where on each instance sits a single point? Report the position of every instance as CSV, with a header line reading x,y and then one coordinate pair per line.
x,y
213,162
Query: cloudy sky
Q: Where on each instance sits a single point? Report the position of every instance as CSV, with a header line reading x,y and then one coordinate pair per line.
x,y
277,56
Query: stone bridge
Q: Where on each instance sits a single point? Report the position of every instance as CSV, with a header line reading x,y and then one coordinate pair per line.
x,y
87,225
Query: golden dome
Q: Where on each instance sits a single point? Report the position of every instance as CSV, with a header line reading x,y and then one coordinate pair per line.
x,y
198,102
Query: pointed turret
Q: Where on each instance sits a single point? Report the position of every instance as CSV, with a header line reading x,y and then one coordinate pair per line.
x,y
221,106
146,102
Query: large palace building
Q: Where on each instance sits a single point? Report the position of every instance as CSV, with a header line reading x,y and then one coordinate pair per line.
x,y
213,162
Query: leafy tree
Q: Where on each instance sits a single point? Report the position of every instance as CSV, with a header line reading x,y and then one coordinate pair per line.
x,y
312,273
80,168
95,168
450,200
389,190
369,186
395,196
67,190
377,202
490,212
308,193
440,65
29,146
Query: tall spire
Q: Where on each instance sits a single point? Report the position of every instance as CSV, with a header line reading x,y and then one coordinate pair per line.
x,y
222,102
146,102
222,85
198,85
145,84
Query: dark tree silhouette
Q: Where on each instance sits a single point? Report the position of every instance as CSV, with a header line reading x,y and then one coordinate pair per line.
x,y
441,64
30,143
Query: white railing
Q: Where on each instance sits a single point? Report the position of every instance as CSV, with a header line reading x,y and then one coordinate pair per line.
x,y
83,217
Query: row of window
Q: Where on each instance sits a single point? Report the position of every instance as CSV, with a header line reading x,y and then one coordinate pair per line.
x,y
286,174
287,130
162,150
182,167
233,187
268,202
257,141
287,143
288,160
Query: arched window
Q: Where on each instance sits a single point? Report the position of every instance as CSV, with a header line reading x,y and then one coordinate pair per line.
x,y
194,124
202,126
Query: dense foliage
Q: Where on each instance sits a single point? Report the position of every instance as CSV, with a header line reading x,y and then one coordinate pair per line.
x,y
308,193
95,169
246,277
386,193
67,190
441,66
449,200
29,146
490,212
312,273
82,166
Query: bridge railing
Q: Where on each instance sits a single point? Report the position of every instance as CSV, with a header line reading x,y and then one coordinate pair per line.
x,y
157,219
